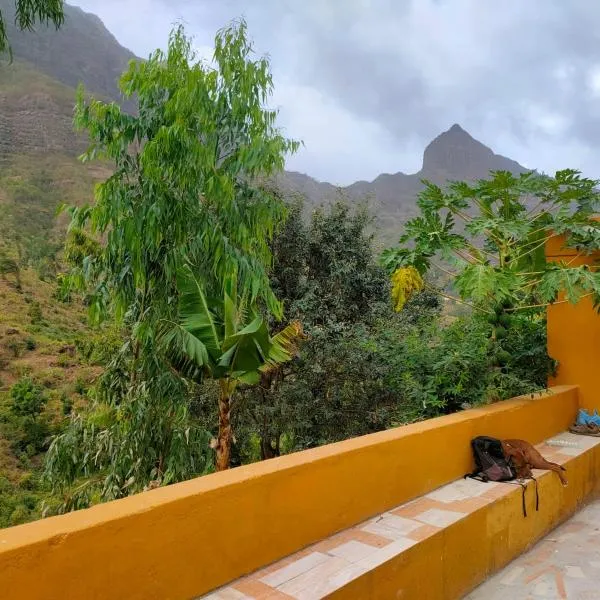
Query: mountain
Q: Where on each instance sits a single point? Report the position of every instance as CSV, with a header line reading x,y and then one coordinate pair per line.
x,y
36,100
452,155
83,50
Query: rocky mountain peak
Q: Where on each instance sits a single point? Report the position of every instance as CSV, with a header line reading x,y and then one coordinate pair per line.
x,y
456,154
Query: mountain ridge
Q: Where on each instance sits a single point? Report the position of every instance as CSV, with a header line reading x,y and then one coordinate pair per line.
x,y
35,116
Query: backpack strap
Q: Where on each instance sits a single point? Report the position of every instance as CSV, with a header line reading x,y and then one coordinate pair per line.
x,y
524,489
478,476
537,496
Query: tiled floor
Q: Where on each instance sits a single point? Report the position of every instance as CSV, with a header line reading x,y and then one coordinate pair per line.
x,y
331,563
565,565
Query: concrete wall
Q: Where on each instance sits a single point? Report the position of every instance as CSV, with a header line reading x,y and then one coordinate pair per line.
x,y
183,540
450,563
574,333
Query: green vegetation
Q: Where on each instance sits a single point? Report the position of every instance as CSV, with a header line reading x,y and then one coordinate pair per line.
x,y
498,260
223,328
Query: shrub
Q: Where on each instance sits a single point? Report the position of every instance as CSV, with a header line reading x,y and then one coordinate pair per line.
x,y
28,399
35,312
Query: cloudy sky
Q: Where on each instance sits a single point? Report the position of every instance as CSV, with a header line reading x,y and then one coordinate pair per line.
x,y
366,84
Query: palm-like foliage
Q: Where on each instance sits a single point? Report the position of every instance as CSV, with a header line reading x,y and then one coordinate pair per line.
x,y
225,339
490,236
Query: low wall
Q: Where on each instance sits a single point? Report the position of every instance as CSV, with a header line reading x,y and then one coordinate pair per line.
x,y
451,562
183,540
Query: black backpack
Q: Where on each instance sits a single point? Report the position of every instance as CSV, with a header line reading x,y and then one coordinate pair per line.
x,y
490,462
492,465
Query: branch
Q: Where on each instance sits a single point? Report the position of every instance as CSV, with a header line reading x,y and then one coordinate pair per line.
x,y
545,304
440,293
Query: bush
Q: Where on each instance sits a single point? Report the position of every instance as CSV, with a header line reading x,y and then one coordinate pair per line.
x,y
30,344
67,404
15,347
28,399
35,312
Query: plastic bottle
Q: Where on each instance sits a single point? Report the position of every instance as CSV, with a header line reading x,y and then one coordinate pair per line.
x,y
563,443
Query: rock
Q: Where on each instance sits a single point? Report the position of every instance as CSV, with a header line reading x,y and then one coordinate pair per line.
x,y
11,331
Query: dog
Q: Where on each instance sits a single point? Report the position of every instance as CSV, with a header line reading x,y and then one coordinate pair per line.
x,y
525,457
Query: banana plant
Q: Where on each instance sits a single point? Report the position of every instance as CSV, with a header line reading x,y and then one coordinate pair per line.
x,y
226,339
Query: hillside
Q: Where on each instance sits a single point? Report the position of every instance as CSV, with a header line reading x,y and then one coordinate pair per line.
x,y
83,50
36,99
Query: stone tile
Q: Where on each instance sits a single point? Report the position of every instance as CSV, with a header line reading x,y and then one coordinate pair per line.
x,y
423,532
387,553
447,494
370,538
321,579
258,590
512,576
468,505
463,489
440,518
416,507
227,593
391,526
294,569
353,551
574,571
563,566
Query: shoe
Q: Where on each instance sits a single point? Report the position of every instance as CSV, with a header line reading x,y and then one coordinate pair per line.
x,y
595,418
583,418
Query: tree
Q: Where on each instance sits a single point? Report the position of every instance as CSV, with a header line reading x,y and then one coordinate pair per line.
x,y
497,260
182,193
326,274
228,341
28,12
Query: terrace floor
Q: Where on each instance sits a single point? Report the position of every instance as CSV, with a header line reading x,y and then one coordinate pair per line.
x,y
565,565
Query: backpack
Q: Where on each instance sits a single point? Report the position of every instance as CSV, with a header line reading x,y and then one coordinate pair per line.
x,y
492,465
490,462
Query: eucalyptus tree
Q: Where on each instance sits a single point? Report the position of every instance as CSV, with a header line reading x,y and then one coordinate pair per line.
x,y
182,194
28,12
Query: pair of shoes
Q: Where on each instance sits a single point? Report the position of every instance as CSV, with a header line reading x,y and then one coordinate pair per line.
x,y
589,429
586,419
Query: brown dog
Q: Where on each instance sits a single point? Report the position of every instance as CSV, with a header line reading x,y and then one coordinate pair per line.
x,y
525,457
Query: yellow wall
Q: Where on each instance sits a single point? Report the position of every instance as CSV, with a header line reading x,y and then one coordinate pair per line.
x,y
454,560
183,540
574,334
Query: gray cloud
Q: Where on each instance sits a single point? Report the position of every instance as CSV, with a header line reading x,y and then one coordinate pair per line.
x,y
366,84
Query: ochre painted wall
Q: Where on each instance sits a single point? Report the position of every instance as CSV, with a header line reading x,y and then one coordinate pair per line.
x,y
454,560
574,334
183,540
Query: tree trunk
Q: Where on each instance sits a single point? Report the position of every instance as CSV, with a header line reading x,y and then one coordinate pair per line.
x,y
225,437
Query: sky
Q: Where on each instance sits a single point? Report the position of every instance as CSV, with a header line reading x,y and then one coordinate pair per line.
x,y
367,84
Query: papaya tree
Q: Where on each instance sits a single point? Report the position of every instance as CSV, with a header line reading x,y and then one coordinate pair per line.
x,y
227,340
182,192
487,238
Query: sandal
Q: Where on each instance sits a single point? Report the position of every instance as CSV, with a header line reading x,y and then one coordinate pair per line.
x,y
589,429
